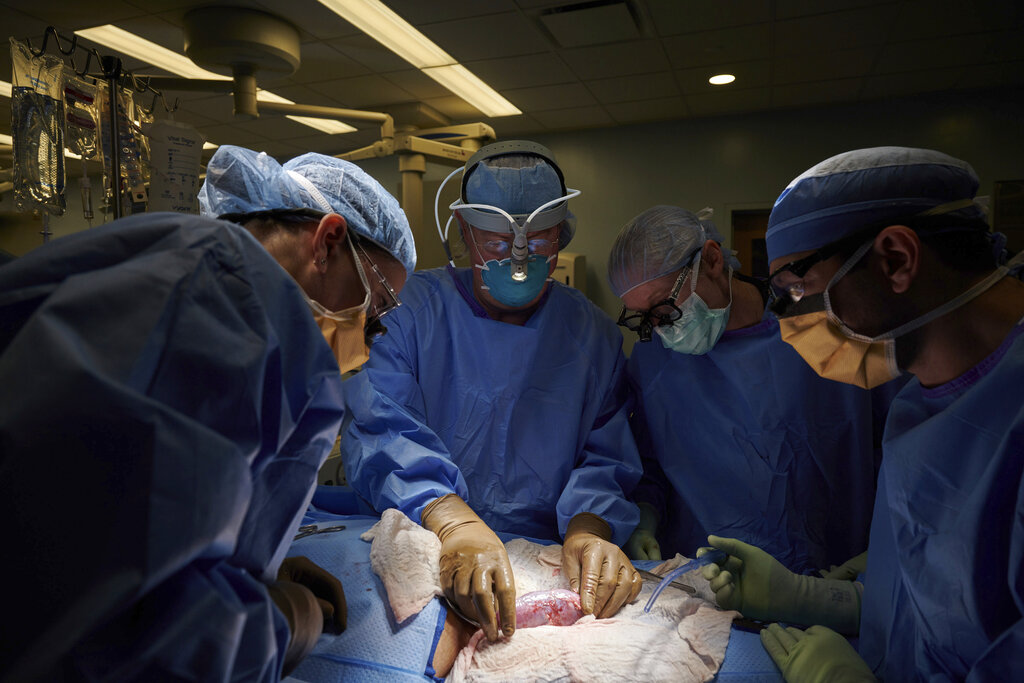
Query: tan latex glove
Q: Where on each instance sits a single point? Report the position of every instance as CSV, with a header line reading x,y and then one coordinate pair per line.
x,y
475,572
325,587
596,568
305,620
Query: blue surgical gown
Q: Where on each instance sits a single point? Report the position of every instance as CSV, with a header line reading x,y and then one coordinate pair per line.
x,y
746,441
166,402
944,587
528,424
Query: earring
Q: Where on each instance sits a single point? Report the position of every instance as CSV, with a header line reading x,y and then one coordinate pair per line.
x,y
322,261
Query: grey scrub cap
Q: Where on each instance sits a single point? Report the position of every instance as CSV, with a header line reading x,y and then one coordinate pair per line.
x,y
240,180
659,241
517,176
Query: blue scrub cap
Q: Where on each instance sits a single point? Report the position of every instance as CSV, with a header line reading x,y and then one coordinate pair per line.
x,y
517,176
659,241
239,180
854,190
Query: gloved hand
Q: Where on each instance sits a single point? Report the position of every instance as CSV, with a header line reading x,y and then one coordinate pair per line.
x,y
849,570
326,587
305,620
642,545
597,569
475,572
756,584
816,655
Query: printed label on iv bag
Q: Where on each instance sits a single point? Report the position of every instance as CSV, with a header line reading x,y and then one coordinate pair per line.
x,y
176,150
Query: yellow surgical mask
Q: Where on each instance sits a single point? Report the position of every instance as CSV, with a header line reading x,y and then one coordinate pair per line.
x,y
344,330
836,352
833,355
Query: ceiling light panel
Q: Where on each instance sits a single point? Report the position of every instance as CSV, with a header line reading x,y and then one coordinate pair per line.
x,y
395,33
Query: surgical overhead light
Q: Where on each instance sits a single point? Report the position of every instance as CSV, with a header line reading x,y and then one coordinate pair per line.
x,y
138,47
376,20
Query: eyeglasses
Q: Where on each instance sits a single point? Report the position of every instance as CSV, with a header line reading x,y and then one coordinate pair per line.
x,y
499,249
664,313
379,308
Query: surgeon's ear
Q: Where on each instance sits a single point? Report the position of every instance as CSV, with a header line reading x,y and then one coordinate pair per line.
x,y
329,232
898,252
713,262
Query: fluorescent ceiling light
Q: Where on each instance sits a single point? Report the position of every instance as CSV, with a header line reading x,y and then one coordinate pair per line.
x,y
393,32
6,139
721,79
135,46
463,83
146,51
376,20
210,145
5,88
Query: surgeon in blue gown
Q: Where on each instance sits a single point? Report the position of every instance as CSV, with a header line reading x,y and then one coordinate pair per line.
x,y
883,262
739,437
167,401
500,405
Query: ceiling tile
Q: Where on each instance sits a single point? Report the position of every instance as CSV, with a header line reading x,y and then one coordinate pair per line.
x,y
418,12
785,9
728,101
304,94
809,36
515,126
321,62
672,17
604,61
916,19
648,110
310,17
1007,45
522,72
533,100
591,24
71,16
456,109
802,94
486,37
575,118
638,87
843,64
934,53
988,75
895,85
417,83
363,92
721,46
748,75
368,52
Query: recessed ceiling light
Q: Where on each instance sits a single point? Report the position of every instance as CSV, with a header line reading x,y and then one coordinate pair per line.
x,y
5,88
721,79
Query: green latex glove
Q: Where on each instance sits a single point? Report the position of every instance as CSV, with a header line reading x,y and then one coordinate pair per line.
x,y
596,568
756,584
475,572
642,545
817,655
849,570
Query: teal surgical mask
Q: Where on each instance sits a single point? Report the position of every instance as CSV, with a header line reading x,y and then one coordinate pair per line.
x,y
699,328
497,278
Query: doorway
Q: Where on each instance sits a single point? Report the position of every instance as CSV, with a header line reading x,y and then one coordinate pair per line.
x,y
748,228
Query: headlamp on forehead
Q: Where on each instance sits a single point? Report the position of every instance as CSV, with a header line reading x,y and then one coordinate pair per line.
x,y
496,219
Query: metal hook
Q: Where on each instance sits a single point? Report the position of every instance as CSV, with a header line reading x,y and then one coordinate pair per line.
x,y
171,110
91,52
